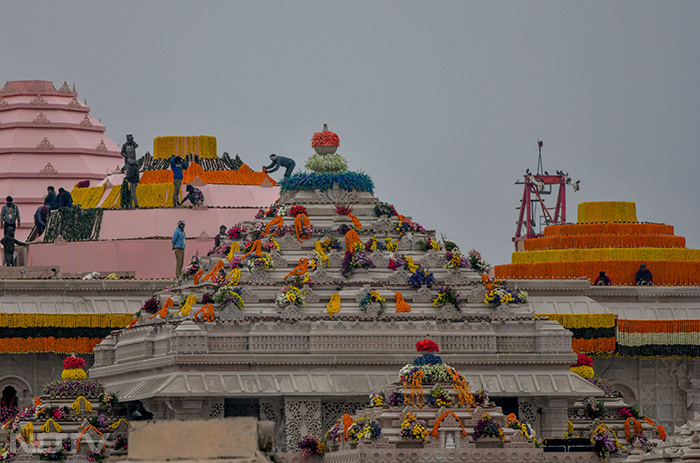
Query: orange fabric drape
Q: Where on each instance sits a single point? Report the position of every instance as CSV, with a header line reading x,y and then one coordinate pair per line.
x,y
212,274
277,221
351,237
401,304
301,221
487,282
207,312
256,248
638,429
163,312
301,268
436,427
132,323
347,422
355,221
197,276
403,219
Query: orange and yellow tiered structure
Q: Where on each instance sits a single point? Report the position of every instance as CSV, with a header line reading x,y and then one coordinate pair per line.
x,y
606,238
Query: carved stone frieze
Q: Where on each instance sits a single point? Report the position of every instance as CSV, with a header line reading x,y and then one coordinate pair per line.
x,y
37,87
424,294
502,312
289,242
399,277
335,258
384,225
101,148
277,259
291,312
65,89
407,242
7,89
86,121
373,310
432,259
311,296
448,312
41,119
335,196
74,103
48,171
248,295
229,313
38,101
475,295
259,277
4,103
455,277
379,259
321,276
45,145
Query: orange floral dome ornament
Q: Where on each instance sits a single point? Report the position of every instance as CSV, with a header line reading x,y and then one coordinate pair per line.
x,y
325,142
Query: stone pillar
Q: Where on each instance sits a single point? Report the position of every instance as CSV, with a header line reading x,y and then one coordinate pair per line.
x,y
302,415
272,409
554,416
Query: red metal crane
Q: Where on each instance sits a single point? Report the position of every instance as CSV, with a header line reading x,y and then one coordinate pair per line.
x,y
532,205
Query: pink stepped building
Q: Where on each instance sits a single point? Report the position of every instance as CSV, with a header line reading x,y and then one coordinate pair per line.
x,y
48,137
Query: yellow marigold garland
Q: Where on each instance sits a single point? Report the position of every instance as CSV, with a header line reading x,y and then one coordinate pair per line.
x,y
32,320
89,197
604,427
113,199
46,427
86,403
334,305
598,320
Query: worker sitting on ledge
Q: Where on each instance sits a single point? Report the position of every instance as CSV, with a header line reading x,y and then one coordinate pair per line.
x,y
644,276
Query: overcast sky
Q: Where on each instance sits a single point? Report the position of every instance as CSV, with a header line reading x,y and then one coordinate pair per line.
x,y
440,102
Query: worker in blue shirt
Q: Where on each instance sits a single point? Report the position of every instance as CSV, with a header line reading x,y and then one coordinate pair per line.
x,y
179,247
177,164
280,161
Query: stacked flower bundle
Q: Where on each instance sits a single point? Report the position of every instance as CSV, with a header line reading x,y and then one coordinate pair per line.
x,y
413,429
365,428
583,366
73,368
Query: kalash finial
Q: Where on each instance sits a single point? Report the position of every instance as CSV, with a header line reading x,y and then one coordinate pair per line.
x,y
325,142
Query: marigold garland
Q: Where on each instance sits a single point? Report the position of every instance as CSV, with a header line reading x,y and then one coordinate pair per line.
x,y
675,273
86,403
46,427
301,221
604,241
87,198
207,312
609,229
33,320
187,306
87,428
660,429
464,393
436,427
606,254
604,427
638,428
213,272
113,198
163,312
203,146
416,393
333,305
50,344
243,176
401,305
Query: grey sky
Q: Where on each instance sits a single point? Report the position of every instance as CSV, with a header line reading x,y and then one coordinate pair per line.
x,y
441,103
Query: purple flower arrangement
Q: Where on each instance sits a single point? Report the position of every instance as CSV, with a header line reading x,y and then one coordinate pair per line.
x,y
309,445
335,433
605,386
396,399
421,277
121,443
448,295
481,397
152,305
101,422
385,209
8,413
52,454
95,456
352,261
427,359
487,427
73,388
397,263
603,445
